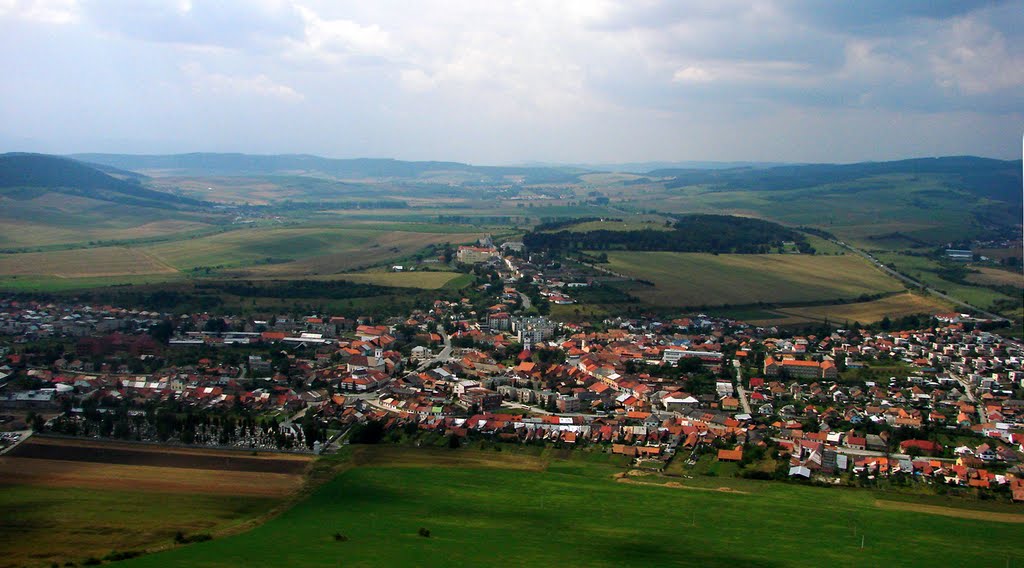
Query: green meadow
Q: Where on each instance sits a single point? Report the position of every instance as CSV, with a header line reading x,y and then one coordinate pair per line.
x,y
488,508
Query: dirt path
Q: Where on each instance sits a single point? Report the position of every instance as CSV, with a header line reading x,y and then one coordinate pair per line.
x,y
951,511
623,477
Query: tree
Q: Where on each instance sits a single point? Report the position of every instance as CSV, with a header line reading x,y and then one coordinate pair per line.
x,y
215,325
371,432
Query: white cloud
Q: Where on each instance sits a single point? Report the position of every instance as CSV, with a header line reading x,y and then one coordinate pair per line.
x,y
42,11
976,59
692,74
221,84
529,79
335,39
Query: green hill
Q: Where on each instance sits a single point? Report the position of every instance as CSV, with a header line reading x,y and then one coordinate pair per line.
x,y
22,172
982,177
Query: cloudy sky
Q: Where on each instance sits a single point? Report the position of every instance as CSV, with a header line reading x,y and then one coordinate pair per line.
x,y
504,82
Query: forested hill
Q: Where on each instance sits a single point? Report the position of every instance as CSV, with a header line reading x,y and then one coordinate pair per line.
x,y
64,175
202,164
983,177
689,233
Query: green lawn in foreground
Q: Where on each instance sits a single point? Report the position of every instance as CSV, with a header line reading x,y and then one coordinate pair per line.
x,y
40,525
575,514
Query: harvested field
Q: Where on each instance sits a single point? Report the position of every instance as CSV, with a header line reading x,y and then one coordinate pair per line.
x,y
108,476
864,312
694,279
996,277
951,512
93,262
125,454
94,498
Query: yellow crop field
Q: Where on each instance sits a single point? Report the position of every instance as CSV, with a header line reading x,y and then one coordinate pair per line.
x,y
895,306
90,262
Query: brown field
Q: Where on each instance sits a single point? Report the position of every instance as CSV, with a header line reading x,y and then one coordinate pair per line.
x,y
101,465
951,512
1001,253
66,500
93,262
895,306
104,476
996,277
158,456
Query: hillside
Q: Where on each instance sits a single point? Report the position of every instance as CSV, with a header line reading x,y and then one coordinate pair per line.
x,y
53,173
210,164
983,177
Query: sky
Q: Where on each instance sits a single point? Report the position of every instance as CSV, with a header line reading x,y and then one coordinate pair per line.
x,y
490,82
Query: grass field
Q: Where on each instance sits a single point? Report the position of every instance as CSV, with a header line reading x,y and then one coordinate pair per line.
x,y
270,252
299,250
53,284
918,206
926,270
626,225
692,279
489,508
51,218
41,525
423,280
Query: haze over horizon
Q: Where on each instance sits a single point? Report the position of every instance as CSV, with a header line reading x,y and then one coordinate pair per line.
x,y
566,82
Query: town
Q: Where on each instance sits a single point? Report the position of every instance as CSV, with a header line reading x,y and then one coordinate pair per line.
x,y
941,405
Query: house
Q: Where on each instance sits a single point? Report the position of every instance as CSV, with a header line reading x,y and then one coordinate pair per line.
x,y
800,369
923,447
733,455
475,255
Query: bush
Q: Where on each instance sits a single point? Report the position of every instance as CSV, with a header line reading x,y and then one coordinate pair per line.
x,y
425,533
115,555
181,538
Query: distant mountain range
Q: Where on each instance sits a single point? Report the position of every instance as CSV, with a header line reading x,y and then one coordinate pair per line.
x,y
119,181
21,171
996,179
206,164
643,167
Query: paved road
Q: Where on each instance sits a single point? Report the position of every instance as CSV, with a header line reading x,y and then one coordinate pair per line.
x,y
527,304
25,435
739,388
969,391
442,356
906,279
